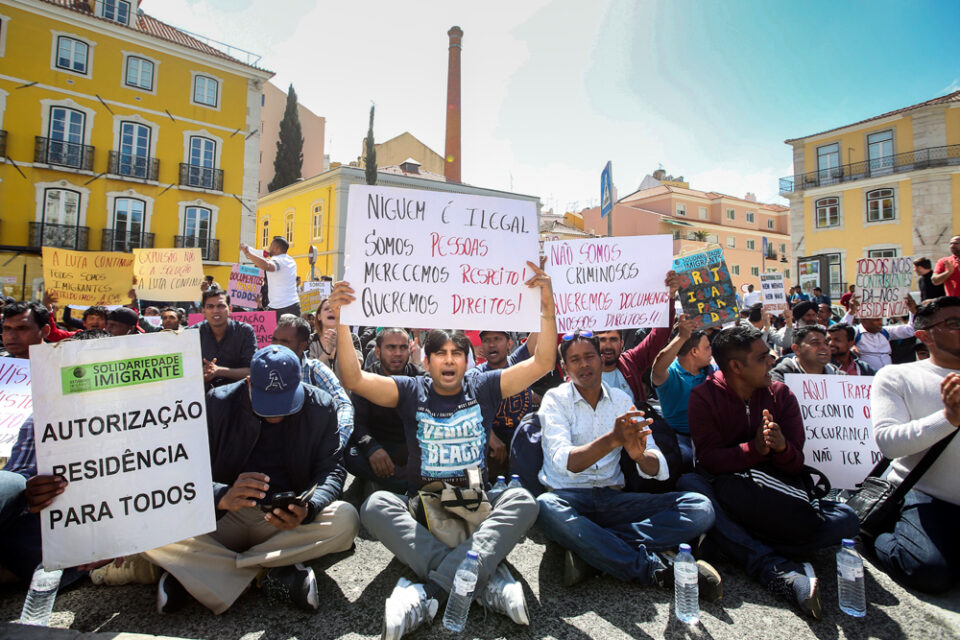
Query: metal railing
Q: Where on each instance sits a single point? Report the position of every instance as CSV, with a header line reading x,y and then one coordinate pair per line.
x,y
3,143
113,240
209,247
898,163
46,234
63,154
192,175
127,164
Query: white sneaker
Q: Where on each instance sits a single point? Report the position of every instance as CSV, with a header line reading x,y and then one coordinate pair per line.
x,y
406,609
504,595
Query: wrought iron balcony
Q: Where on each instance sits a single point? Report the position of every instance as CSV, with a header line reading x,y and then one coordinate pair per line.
x,y
898,163
65,236
63,154
192,175
127,164
3,143
209,248
120,240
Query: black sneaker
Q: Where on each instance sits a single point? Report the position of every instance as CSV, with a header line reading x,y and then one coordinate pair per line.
x,y
801,588
575,569
171,595
295,583
709,582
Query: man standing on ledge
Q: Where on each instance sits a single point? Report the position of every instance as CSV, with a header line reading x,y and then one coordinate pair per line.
x,y
281,272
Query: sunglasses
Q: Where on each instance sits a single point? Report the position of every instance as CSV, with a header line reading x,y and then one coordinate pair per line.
x,y
570,335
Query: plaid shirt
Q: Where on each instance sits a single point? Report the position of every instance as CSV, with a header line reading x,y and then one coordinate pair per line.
x,y
23,457
321,376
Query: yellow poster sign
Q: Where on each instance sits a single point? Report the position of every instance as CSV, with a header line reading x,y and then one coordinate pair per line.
x,y
87,278
310,300
172,275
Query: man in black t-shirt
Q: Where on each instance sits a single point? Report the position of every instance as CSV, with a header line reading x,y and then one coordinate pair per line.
x,y
924,270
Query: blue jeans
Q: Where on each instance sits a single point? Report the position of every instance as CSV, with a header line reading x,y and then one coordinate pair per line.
x,y
921,551
617,531
686,451
762,561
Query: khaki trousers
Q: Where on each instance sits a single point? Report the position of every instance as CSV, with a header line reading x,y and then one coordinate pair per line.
x,y
216,568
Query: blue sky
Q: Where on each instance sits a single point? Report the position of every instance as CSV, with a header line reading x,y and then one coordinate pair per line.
x,y
552,89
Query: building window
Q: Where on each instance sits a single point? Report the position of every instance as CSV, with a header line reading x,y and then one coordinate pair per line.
x,y
133,157
731,242
880,152
702,213
828,212
771,224
61,207
203,153
288,227
731,214
751,244
828,163
880,205
205,90
116,10
677,235
317,221
139,73
882,253
783,249
265,233
754,271
128,222
196,229
735,269
682,210
751,216
786,274
66,134
72,54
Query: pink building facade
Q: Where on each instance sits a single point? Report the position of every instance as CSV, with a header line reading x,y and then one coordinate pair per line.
x,y
274,102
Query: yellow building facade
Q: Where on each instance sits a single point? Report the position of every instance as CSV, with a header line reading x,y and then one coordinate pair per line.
x,y
120,132
885,186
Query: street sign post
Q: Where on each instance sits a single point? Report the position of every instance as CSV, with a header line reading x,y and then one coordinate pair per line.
x,y
312,257
607,196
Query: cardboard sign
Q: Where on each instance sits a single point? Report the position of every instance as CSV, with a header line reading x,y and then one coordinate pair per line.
x,y
433,259
88,278
610,283
322,286
310,300
16,402
839,430
773,294
263,322
173,275
123,420
244,286
883,285
706,292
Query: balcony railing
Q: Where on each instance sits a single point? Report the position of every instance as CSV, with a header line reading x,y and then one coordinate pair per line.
x,y
64,154
192,175
127,164
209,248
897,163
114,240
46,234
3,143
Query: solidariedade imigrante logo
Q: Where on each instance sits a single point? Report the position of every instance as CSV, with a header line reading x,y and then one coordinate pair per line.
x,y
120,373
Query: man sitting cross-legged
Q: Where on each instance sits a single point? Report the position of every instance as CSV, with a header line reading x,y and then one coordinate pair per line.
x,y
585,425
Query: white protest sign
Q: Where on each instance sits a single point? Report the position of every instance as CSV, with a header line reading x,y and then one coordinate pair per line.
x,y
433,259
883,285
323,286
837,425
772,292
154,321
123,420
603,284
16,403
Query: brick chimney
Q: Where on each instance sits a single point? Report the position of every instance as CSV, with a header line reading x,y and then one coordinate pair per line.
x,y
451,166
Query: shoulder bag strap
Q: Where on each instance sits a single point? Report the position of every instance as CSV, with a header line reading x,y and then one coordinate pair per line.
x,y
917,472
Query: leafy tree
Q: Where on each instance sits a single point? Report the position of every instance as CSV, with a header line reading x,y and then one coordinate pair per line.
x,y
370,160
289,160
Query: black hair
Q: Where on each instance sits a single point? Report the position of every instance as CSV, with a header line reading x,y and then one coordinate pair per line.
x,y
436,338
298,323
577,337
922,319
213,293
280,240
388,330
846,328
692,341
734,344
921,346
96,310
756,312
923,262
804,331
41,315
90,334
818,289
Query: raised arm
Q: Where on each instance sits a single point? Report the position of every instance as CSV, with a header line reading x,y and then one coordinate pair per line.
x,y
266,265
658,374
942,276
515,379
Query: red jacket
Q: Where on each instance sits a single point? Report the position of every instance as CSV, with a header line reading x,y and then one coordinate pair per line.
x,y
633,363
723,436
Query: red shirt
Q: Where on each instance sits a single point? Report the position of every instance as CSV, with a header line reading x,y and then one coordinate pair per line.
x,y
845,299
952,284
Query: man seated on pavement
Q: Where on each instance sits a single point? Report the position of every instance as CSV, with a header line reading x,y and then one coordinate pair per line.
x,y
585,425
225,344
840,338
873,339
24,324
915,406
447,420
269,433
378,448
741,420
293,332
811,354
678,368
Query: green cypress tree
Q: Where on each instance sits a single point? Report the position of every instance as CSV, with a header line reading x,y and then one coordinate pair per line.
x,y
370,161
289,160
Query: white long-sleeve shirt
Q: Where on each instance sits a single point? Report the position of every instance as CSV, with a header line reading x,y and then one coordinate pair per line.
x,y
568,421
875,347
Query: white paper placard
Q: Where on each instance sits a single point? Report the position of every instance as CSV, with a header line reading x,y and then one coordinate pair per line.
x,y
16,403
610,283
123,420
772,292
432,259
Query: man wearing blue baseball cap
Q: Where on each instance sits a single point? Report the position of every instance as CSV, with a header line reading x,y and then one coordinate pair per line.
x,y
277,473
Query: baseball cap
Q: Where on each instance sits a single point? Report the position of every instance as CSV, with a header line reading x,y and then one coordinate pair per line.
x,y
275,388
126,315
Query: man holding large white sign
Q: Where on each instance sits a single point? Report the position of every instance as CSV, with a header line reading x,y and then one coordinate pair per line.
x,y
429,259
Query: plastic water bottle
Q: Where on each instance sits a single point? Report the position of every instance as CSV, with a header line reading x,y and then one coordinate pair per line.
x,y
498,487
686,593
458,604
515,482
39,602
853,601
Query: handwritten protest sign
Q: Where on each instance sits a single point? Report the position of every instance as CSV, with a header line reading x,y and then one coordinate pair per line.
x,y
123,421
773,294
16,403
323,286
244,286
706,292
310,300
263,323
839,431
883,285
168,274
610,283
88,277
439,259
